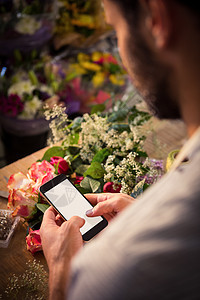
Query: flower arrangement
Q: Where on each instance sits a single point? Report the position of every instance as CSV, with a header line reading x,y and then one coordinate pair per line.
x,y
99,67
25,24
79,23
95,77
29,83
78,82
99,152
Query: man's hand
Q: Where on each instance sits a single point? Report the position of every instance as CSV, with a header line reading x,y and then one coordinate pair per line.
x,y
60,242
108,205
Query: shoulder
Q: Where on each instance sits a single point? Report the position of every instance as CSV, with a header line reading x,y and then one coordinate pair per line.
x,y
151,249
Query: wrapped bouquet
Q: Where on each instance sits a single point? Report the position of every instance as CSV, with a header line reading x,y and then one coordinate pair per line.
x,y
99,152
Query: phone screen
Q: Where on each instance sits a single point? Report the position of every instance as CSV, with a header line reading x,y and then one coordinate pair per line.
x,y
68,201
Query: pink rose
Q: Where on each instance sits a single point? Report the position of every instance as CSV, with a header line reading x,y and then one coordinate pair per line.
x,y
23,203
18,180
22,196
78,179
108,188
40,173
33,241
60,164
102,97
39,170
23,190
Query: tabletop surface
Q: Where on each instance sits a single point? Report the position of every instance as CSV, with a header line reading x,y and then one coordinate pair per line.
x,y
14,259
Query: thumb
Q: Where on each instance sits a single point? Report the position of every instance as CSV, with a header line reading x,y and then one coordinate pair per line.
x,y
76,222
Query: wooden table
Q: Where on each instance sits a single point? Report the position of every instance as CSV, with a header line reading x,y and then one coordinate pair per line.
x,y
14,258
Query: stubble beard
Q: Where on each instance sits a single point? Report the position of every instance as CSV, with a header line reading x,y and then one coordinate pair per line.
x,y
151,78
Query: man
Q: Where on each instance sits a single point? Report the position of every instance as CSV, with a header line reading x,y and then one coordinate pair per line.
x,y
151,248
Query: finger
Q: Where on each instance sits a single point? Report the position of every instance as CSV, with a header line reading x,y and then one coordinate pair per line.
x,y
101,208
59,220
92,198
58,217
49,216
95,198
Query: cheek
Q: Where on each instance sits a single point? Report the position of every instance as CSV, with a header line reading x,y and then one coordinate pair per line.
x,y
125,54
123,50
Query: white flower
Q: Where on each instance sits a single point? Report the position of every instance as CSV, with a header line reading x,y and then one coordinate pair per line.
x,y
19,88
46,89
58,124
31,108
27,25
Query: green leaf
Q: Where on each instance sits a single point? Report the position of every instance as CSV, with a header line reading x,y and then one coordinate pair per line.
x,y
71,76
76,161
82,169
101,155
120,127
138,189
74,138
53,151
18,56
77,123
118,116
138,117
33,77
55,86
34,222
95,171
98,108
142,154
42,207
82,190
74,149
89,184
113,68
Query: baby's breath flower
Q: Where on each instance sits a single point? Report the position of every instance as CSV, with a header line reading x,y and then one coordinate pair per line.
x,y
58,125
31,285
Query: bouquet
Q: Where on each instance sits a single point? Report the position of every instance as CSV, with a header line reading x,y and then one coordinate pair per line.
x,y
95,77
25,24
79,23
99,152
29,83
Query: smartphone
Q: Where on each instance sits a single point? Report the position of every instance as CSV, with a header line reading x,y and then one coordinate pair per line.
x,y
68,201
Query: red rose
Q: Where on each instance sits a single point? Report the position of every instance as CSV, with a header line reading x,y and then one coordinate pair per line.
x,y
108,188
78,179
60,164
33,241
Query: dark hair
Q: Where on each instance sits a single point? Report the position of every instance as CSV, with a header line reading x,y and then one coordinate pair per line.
x,y
131,4
191,4
130,7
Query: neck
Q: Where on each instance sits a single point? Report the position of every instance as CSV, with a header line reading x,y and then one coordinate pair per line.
x,y
189,93
187,71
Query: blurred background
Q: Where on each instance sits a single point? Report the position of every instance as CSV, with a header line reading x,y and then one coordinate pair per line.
x,y
58,52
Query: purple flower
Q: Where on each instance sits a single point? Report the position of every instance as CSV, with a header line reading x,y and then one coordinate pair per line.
x,y
157,164
11,106
148,179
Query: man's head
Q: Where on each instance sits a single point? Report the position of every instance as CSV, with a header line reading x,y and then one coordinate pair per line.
x,y
147,32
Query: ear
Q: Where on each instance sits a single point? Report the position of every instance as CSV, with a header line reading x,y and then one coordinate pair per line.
x,y
157,21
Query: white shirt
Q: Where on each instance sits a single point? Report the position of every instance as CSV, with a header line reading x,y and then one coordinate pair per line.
x,y
151,250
